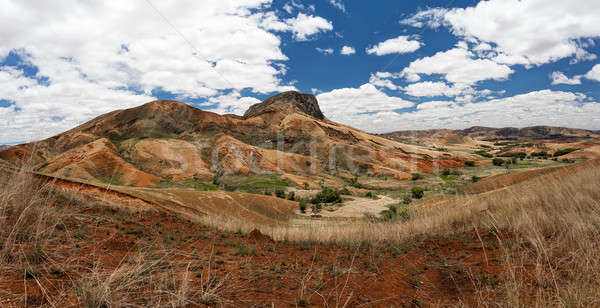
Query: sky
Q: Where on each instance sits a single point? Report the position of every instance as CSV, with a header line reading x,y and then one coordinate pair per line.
x,y
379,65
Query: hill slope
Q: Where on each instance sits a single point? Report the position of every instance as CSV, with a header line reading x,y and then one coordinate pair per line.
x,y
165,141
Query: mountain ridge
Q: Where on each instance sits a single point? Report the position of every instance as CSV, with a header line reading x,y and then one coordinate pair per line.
x,y
172,141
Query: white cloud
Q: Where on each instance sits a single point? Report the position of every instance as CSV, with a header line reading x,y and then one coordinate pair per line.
x,y
429,88
231,103
561,78
304,26
433,18
42,111
347,50
289,7
525,32
458,66
338,5
326,51
594,73
345,104
544,107
381,79
401,44
103,58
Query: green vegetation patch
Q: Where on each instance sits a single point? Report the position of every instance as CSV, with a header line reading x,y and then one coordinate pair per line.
x,y
564,152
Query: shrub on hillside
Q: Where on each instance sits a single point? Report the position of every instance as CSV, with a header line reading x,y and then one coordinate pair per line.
x,y
291,196
417,192
483,153
302,206
280,193
345,191
415,176
564,152
327,195
470,163
498,161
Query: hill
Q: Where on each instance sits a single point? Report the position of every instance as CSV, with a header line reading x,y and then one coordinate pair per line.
x,y
168,141
585,144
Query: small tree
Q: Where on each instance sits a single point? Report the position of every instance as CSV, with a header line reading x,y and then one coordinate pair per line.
x,y
417,192
292,196
470,163
498,161
415,176
302,206
280,193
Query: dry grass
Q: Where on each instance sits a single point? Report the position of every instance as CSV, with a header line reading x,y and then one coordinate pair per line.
x,y
549,227
26,220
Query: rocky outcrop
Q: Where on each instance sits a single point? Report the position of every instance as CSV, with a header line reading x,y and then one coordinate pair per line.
x,y
287,102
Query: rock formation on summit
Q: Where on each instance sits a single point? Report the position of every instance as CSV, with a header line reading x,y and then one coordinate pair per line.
x,y
287,102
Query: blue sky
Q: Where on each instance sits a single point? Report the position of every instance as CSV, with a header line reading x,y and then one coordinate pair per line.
x,y
405,65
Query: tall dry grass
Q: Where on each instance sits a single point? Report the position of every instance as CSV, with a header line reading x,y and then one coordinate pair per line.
x,y
38,220
548,227
28,219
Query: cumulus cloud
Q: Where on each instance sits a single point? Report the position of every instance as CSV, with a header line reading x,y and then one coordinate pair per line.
x,y
40,111
104,59
382,79
347,103
304,26
543,107
530,32
561,78
401,44
430,88
594,73
326,51
433,18
458,66
338,5
231,103
347,50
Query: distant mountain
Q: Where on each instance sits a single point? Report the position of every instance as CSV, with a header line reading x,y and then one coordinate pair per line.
x,y
172,141
495,134
4,147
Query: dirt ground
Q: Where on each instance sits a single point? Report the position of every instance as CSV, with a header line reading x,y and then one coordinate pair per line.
x,y
250,270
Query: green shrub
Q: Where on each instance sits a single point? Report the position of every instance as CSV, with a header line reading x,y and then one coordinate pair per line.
x,y
498,161
564,152
470,163
369,195
475,179
406,199
484,154
291,196
354,182
327,195
417,192
446,172
396,212
542,154
302,206
345,191
280,193
415,176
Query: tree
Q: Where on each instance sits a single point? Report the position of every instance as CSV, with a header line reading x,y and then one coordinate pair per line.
x,y
498,161
417,192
